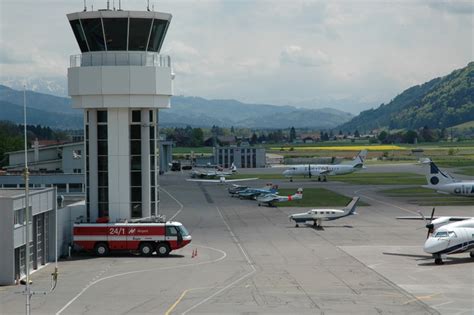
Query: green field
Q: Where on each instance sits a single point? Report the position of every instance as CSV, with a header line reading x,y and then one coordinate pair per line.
x,y
427,197
316,197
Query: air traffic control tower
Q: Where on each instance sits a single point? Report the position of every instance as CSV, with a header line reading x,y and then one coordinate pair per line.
x,y
120,81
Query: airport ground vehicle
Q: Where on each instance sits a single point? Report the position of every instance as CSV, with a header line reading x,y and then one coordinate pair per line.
x,y
143,237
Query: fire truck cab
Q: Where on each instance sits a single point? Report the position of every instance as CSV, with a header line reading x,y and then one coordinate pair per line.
x,y
145,238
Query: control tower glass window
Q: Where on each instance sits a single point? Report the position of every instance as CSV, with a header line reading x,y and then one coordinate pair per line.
x,y
79,34
116,33
94,34
157,35
138,34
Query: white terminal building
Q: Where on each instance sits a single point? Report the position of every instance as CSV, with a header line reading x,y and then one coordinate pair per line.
x,y
120,81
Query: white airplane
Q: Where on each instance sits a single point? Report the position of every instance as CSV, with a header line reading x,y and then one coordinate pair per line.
x,y
319,215
221,180
214,174
452,238
271,199
447,235
322,170
444,183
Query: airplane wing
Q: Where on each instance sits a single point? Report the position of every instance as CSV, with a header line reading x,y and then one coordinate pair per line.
x,y
204,180
219,180
451,218
239,180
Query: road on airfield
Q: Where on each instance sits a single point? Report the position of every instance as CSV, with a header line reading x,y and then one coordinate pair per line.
x,y
251,260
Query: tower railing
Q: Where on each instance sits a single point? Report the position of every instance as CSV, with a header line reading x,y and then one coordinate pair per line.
x,y
145,59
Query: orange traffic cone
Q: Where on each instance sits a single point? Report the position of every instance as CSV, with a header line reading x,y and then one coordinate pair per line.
x,y
192,255
196,253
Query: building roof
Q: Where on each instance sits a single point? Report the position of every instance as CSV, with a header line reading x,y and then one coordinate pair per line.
x,y
15,192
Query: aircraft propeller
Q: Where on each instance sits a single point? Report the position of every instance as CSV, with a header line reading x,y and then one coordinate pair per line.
x,y
430,225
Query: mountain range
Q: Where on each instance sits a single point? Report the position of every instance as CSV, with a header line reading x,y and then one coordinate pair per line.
x,y
439,103
56,112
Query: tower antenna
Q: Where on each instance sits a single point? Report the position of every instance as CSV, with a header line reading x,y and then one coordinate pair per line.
x,y
148,5
120,5
108,5
85,7
113,4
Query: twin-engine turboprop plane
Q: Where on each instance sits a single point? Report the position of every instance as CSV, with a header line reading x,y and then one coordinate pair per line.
x,y
444,183
323,170
319,215
447,235
271,199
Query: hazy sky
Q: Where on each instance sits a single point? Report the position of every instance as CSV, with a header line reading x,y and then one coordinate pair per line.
x,y
298,52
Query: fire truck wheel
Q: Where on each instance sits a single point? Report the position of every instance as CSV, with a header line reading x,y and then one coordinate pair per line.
x,y
162,249
146,249
101,249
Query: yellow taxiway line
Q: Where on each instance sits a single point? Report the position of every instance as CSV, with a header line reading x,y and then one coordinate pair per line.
x,y
176,303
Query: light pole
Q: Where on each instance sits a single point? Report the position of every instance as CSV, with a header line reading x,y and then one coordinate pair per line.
x,y
27,209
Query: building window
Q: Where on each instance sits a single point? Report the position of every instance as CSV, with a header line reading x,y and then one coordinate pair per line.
x,y
136,164
102,164
138,33
136,116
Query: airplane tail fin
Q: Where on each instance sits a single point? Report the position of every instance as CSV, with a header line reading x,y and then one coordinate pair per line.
x,y
358,161
233,168
351,207
298,194
434,176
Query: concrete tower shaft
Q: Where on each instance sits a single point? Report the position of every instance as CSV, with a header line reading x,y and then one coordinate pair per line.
x,y
120,81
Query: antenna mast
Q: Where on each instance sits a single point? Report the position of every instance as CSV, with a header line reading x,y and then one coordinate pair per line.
x,y
108,5
85,7
148,5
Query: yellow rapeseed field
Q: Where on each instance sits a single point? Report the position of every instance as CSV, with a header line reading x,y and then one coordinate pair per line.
x,y
345,148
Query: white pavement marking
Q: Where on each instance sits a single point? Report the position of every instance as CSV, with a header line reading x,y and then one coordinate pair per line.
x,y
235,281
176,200
224,255
383,202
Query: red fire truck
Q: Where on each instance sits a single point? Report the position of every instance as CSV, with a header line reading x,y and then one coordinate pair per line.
x,y
145,238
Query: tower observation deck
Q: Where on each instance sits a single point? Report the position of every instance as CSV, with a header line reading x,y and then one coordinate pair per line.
x,y
120,81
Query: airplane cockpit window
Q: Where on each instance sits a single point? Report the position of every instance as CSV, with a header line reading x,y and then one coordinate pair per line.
x,y
441,234
452,234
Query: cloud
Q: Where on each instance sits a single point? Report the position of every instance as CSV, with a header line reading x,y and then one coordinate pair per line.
x,y
453,6
305,58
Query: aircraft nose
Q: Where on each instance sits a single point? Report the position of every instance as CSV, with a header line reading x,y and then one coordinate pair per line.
x,y
434,245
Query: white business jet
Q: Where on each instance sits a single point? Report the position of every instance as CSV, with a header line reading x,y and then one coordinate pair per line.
x,y
319,215
323,170
444,183
221,180
271,198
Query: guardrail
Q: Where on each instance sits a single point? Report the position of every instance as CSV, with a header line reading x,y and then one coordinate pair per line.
x,y
120,59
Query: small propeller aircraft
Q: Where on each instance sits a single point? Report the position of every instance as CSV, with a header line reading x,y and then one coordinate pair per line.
x,y
221,180
271,199
447,235
220,172
253,193
323,170
319,215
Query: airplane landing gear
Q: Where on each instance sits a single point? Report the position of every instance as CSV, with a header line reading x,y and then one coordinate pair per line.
x,y
325,179
471,254
296,225
291,179
439,261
